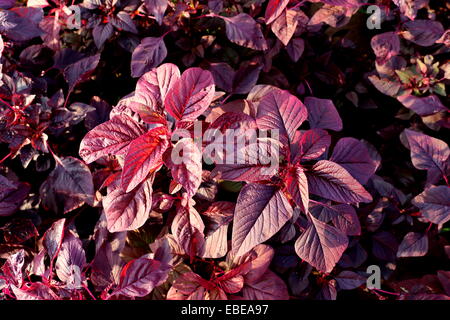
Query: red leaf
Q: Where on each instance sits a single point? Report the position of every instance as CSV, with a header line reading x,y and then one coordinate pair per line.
x,y
191,95
297,186
274,9
187,170
111,137
309,145
144,156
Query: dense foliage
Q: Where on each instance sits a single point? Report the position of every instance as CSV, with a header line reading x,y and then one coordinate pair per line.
x,y
345,110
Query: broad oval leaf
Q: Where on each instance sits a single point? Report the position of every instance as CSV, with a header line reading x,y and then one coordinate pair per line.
x,y
191,95
261,211
155,84
147,55
268,287
330,181
71,254
243,30
157,8
280,110
187,229
427,152
80,70
354,157
285,25
323,114
321,245
414,244
128,211
140,276
434,204
110,137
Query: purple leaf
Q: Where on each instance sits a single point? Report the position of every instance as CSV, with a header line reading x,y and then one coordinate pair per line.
x,y
427,152
53,238
329,180
349,280
243,30
413,245
321,245
354,157
223,75
72,177
384,246
140,276
444,278
123,21
245,78
157,8
128,211
280,110
323,114
343,216
70,255
295,49
268,287
80,70
215,6
147,55
101,33
12,198
423,32
434,204
144,155
386,86
261,211
423,106
191,95
111,137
